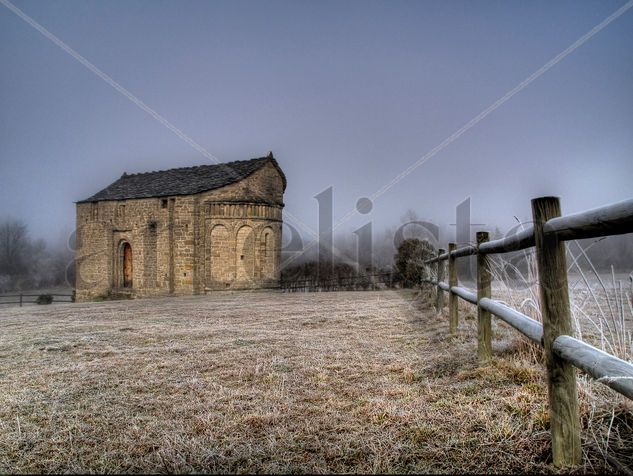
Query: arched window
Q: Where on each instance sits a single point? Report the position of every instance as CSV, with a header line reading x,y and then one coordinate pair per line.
x,y
267,254
245,254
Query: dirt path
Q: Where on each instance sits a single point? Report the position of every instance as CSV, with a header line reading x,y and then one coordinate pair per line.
x,y
269,382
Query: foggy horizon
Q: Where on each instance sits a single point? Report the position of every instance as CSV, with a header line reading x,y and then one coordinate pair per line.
x,y
347,95
420,261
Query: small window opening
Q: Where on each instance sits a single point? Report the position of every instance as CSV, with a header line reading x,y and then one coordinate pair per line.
x,y
163,203
241,256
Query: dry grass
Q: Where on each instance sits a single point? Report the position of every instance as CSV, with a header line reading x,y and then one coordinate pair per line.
x,y
267,382
602,313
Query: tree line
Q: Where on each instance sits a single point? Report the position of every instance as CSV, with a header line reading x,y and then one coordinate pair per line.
x,y
27,263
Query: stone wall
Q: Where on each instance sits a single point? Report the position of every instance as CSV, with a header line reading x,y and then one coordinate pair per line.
x,y
227,238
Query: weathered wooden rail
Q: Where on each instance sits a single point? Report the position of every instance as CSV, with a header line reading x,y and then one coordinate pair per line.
x,y
21,298
562,351
358,282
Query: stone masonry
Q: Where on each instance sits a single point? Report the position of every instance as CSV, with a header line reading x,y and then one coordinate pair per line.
x,y
191,231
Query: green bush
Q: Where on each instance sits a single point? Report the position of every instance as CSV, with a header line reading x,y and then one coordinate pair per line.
x,y
44,299
409,259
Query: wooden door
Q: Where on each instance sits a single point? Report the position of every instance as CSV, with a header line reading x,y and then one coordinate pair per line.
x,y
127,266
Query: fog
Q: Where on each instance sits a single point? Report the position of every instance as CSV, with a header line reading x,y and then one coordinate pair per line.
x,y
348,95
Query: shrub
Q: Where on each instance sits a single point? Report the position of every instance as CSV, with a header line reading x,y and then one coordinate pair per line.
x,y
409,260
44,299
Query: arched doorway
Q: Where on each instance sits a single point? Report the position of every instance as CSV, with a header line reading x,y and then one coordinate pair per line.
x,y
126,261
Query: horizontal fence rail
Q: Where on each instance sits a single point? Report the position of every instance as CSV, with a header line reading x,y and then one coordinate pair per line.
x,y
613,219
464,251
359,282
21,298
562,351
465,294
614,372
522,323
519,241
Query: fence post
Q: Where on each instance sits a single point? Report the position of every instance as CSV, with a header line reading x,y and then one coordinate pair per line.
x,y
484,331
561,376
429,276
439,302
452,281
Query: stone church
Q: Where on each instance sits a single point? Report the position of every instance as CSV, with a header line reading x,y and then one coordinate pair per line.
x,y
182,231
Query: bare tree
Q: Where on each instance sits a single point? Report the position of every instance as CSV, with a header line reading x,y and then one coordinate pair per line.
x,y
31,264
14,246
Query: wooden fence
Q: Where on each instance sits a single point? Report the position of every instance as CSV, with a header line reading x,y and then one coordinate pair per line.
x,y
362,282
23,298
562,351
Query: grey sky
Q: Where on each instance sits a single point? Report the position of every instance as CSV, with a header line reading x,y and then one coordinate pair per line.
x,y
347,94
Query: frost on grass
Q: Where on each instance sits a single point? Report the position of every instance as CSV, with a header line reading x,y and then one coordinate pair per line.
x,y
266,382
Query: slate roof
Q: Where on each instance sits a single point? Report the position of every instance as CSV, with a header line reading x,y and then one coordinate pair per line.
x,y
182,181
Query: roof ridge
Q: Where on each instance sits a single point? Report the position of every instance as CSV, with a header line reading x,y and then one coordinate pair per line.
x,y
126,175
183,180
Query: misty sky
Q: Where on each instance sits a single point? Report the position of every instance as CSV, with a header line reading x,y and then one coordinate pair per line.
x,y
346,94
